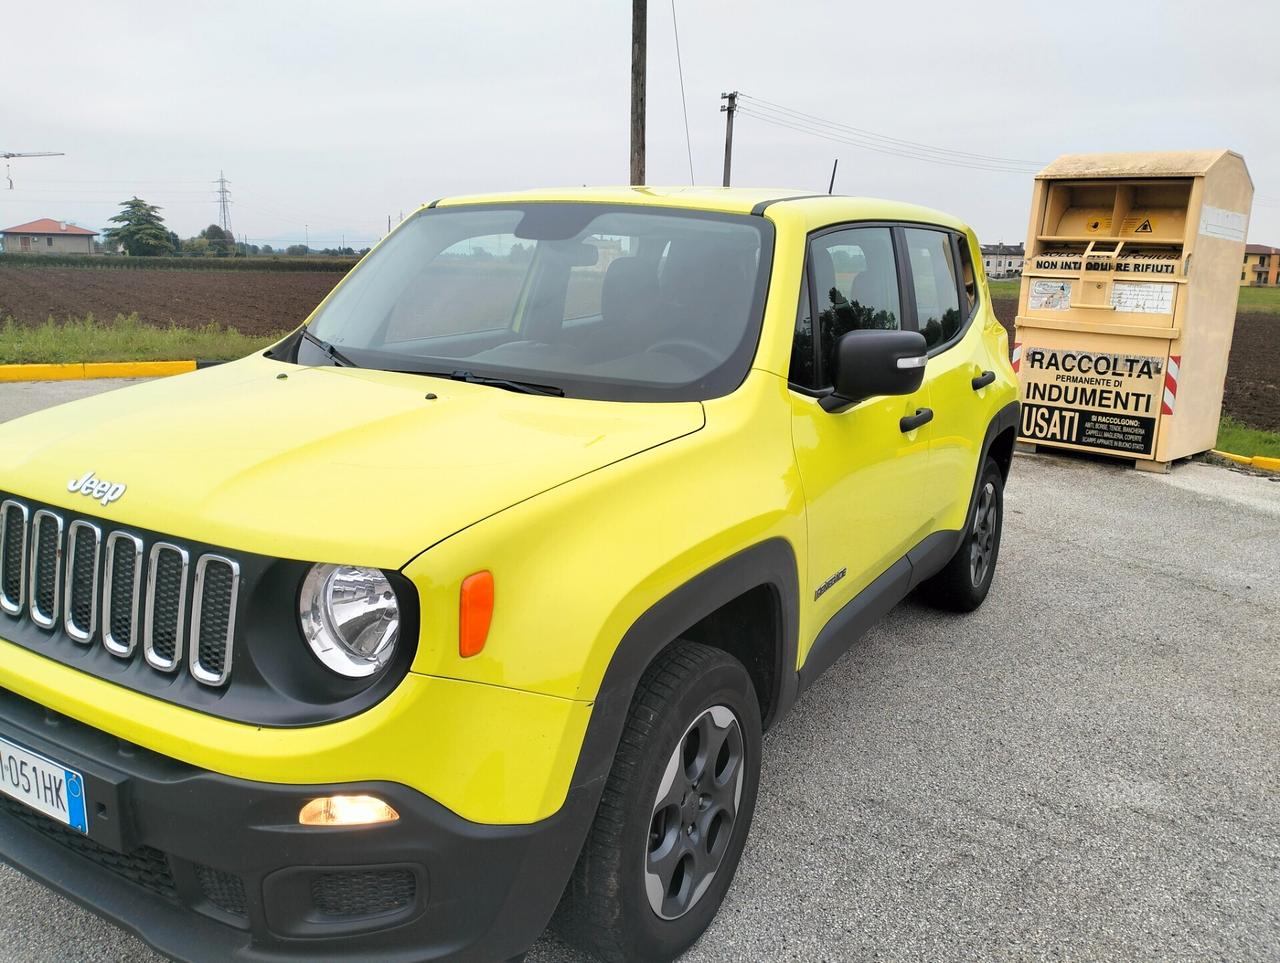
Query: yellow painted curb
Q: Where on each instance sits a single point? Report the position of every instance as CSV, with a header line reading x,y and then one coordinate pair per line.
x,y
94,369
1257,461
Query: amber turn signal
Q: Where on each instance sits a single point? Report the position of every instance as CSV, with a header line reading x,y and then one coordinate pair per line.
x,y
346,811
475,612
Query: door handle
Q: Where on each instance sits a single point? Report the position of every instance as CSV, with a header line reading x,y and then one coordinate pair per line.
x,y
983,380
911,422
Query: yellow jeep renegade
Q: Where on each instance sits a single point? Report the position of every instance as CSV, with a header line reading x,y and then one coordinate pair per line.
x,y
461,610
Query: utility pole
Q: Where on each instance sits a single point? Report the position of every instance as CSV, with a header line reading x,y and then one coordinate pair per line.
x,y
639,31
728,109
224,206
306,237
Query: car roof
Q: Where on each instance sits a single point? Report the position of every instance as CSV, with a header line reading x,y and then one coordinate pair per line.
x,y
797,205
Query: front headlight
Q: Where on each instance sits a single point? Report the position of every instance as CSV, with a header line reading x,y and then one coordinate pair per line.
x,y
350,618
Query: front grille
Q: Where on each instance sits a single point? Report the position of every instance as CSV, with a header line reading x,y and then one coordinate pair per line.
x,y
166,606
223,890
347,895
121,592
80,616
46,568
13,556
105,586
144,866
213,618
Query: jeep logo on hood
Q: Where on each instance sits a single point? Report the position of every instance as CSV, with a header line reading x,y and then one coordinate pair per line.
x,y
92,487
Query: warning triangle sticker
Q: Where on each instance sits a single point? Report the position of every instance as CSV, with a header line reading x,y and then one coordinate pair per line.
x,y
1144,227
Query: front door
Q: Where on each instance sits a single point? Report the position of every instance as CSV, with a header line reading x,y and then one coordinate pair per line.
x,y
865,479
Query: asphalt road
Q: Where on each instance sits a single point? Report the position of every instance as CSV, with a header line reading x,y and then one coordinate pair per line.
x,y
1088,768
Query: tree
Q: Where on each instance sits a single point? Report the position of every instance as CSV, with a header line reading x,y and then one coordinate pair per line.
x,y
141,231
221,242
296,250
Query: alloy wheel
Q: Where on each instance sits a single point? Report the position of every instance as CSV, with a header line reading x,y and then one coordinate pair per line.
x,y
694,812
982,540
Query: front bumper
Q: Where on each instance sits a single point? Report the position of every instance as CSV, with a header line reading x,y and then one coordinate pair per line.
x,y
207,867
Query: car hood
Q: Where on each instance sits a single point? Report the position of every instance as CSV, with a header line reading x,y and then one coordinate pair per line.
x,y
322,464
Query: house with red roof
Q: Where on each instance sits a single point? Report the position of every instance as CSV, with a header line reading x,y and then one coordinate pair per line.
x,y
47,236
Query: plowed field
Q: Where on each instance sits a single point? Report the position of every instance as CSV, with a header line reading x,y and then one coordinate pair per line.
x,y
253,302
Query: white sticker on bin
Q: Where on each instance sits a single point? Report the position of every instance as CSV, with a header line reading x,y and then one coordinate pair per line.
x,y
1228,225
1142,297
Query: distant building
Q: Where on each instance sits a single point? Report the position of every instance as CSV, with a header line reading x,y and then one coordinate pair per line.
x,y
47,236
1261,266
1003,260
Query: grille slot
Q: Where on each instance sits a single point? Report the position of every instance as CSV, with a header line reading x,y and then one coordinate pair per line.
x,y
80,612
144,866
213,618
13,556
121,591
166,606
224,890
46,568
348,895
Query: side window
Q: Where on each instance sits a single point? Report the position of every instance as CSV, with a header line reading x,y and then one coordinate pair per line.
x,y
968,275
802,372
933,273
856,279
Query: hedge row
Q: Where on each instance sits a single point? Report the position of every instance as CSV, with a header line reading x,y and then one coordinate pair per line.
x,y
117,262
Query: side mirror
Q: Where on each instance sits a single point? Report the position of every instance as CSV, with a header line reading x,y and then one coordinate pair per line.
x,y
870,363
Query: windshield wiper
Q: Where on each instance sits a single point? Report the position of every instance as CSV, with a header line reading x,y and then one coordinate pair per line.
x,y
330,352
524,387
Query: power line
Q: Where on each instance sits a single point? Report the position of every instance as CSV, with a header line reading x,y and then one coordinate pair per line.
x,y
801,122
826,135
684,104
895,141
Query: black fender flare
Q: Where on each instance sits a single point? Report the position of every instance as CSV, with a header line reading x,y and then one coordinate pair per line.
x,y
1003,420
771,563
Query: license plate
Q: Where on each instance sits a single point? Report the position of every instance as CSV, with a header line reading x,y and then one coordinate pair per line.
x,y
44,785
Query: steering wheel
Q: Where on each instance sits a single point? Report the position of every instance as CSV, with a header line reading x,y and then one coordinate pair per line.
x,y
686,349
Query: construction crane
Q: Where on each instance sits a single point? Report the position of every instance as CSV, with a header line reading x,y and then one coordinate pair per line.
x,y
40,153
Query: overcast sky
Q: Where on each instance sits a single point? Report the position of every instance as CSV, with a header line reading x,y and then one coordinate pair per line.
x,y
328,117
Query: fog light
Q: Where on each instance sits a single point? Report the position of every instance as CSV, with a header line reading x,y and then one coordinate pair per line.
x,y
346,811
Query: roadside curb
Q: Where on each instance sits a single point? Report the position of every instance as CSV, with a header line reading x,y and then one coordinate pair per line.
x,y
1256,461
81,371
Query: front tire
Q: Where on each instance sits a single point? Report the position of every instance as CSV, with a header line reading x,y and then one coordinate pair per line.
x,y
674,814
964,582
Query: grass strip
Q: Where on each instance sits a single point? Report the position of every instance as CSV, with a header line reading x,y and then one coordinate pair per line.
x,y
124,339
1240,439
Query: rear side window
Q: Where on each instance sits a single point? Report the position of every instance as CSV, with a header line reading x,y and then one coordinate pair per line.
x,y
933,272
967,275
855,277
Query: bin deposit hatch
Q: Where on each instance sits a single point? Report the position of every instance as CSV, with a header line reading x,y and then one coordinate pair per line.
x,y
1128,302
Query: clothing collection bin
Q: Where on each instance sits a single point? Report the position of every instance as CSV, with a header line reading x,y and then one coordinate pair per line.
x,y
1128,302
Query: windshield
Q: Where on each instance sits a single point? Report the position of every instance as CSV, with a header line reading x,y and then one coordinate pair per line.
x,y
595,301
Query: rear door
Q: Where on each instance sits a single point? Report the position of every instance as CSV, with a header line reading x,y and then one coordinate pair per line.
x,y
945,293
864,478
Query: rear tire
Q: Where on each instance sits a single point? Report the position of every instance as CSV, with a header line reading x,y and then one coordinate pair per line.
x,y
674,814
963,583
